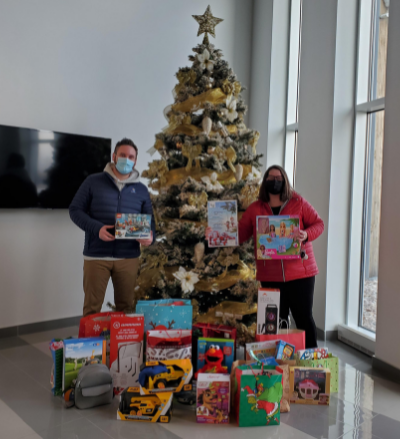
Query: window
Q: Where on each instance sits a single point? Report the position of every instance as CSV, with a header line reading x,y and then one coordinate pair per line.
x,y
293,90
367,164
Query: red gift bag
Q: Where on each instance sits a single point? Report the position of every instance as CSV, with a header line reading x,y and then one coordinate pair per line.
x,y
169,344
94,324
296,337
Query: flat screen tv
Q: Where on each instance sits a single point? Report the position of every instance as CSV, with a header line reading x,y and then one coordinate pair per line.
x,y
44,169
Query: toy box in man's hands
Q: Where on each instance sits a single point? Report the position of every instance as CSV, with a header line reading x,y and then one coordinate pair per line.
x,y
284,351
213,399
268,311
132,226
135,405
126,354
310,385
214,355
312,354
166,376
277,237
79,352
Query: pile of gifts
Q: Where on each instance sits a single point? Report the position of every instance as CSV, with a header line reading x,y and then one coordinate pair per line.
x,y
147,358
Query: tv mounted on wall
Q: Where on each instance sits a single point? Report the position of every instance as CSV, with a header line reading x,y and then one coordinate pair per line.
x,y
44,169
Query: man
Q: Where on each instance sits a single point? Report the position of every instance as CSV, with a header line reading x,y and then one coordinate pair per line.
x,y
93,209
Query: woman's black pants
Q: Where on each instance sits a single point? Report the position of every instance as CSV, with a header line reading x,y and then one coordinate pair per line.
x,y
297,296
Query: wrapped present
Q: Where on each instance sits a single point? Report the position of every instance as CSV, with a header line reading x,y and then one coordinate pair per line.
x,y
169,344
296,337
166,314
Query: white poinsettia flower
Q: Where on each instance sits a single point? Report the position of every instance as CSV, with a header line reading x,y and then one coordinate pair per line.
x,y
230,111
254,175
187,279
212,183
205,61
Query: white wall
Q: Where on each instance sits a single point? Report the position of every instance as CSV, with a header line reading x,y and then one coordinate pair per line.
x,y
99,68
388,322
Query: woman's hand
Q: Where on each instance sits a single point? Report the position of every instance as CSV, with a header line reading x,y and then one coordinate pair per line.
x,y
302,235
146,242
208,232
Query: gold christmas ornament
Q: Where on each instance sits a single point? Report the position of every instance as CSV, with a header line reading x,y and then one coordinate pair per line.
x,y
179,145
231,158
248,195
198,200
207,22
207,125
253,142
191,152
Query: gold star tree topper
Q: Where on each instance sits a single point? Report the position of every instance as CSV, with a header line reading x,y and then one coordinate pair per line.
x,y
207,22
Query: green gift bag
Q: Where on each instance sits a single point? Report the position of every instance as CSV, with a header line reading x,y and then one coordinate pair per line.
x,y
331,363
259,392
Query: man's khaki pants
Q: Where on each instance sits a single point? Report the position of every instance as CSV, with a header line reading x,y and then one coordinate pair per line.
x,y
96,275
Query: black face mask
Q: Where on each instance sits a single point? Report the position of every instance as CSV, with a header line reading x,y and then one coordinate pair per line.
x,y
274,187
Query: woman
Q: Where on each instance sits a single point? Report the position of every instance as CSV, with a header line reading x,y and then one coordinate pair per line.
x,y
295,278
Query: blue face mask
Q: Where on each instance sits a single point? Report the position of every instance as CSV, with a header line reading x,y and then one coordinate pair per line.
x,y
124,165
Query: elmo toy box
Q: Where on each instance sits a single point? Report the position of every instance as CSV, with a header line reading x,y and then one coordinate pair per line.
x,y
215,355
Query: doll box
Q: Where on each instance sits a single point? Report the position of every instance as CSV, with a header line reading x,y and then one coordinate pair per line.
x,y
310,385
213,398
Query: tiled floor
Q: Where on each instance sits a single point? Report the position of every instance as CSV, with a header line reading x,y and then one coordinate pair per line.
x,y
367,406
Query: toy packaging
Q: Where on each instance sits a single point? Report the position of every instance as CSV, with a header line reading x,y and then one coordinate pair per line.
x,y
277,237
331,363
296,337
310,386
132,226
169,344
56,347
126,354
136,405
222,219
213,398
215,355
258,394
166,376
166,314
312,354
78,353
209,330
284,351
268,311
261,350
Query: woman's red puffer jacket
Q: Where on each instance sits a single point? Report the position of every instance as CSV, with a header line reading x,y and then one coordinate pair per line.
x,y
287,269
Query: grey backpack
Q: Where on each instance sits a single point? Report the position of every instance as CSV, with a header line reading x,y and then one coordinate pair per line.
x,y
93,387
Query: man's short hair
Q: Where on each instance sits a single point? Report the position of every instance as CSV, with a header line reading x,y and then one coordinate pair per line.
x,y
125,141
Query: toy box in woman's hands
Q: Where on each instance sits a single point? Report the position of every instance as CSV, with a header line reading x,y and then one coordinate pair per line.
x,y
310,385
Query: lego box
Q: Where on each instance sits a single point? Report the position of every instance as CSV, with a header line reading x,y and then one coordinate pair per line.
x,y
213,398
132,226
310,385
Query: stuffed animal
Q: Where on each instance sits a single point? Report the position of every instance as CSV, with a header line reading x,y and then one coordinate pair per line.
x,y
213,358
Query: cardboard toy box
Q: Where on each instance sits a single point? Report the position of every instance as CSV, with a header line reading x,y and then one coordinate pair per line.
x,y
268,311
261,349
137,405
126,352
213,398
132,226
215,355
310,385
166,376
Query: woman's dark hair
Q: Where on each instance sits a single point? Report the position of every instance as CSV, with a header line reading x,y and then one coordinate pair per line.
x,y
287,190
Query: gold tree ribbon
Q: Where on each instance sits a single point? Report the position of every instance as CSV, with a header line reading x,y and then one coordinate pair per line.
x,y
198,200
228,154
157,169
178,176
226,309
214,96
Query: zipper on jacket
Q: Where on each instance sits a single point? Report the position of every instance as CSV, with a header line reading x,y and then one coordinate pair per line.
x,y
280,210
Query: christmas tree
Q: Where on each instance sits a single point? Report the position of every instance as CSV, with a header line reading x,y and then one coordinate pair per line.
x,y
207,153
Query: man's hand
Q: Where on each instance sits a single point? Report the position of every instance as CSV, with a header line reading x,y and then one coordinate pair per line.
x,y
104,235
146,242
